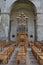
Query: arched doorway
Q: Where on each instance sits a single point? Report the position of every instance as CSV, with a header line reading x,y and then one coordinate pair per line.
x,y
30,10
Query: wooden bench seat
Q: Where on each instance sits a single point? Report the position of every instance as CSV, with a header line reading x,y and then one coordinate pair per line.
x,y
35,50
2,44
42,48
6,55
38,44
38,54
40,59
31,44
3,58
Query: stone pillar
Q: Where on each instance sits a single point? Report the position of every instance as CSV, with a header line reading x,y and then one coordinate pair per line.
x,y
40,26
5,21
35,28
0,18
9,30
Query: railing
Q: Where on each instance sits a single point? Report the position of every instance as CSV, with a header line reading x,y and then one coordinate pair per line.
x,y
22,29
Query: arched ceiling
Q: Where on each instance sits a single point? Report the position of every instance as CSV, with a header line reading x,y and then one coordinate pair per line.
x,y
23,4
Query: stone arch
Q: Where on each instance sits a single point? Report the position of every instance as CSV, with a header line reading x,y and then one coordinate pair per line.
x,y
29,6
23,1
9,4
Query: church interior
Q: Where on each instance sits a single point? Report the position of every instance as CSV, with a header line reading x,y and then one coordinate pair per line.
x,y
21,32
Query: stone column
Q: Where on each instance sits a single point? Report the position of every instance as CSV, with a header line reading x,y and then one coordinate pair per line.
x,y
5,21
35,27
9,30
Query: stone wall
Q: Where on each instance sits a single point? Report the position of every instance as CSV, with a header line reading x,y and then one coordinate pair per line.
x,y
14,24
6,8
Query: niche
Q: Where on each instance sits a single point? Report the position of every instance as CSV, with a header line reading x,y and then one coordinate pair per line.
x,y
31,36
13,36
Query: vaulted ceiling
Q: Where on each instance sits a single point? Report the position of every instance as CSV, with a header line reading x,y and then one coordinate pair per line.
x,y
23,4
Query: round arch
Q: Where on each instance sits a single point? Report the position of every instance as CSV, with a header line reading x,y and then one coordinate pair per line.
x,y
26,5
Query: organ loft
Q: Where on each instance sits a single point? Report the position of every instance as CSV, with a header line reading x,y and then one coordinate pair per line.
x,y
22,30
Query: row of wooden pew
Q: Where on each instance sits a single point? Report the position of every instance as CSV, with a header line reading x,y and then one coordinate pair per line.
x,y
4,44
5,56
21,57
37,43
37,50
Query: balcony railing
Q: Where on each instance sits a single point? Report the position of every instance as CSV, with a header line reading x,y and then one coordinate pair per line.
x,y
22,30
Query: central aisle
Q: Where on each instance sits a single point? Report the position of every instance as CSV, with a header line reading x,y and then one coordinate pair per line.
x,y
30,58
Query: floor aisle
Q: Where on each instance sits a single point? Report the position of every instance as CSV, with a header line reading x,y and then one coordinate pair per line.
x,y
12,61
30,58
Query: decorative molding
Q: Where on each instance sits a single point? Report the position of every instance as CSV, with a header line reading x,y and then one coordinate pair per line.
x,y
39,25
5,13
39,13
9,13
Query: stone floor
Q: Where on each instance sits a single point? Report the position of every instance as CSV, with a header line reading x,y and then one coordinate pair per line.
x,y
30,60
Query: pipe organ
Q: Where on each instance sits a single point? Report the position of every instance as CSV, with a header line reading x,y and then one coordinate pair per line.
x,y
22,30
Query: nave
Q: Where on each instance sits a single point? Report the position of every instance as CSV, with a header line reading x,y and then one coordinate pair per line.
x,y
11,53
30,60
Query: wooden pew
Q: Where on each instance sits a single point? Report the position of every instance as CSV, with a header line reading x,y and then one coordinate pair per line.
x,y
6,55
35,50
2,44
8,43
31,44
21,55
42,48
38,44
38,54
40,58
